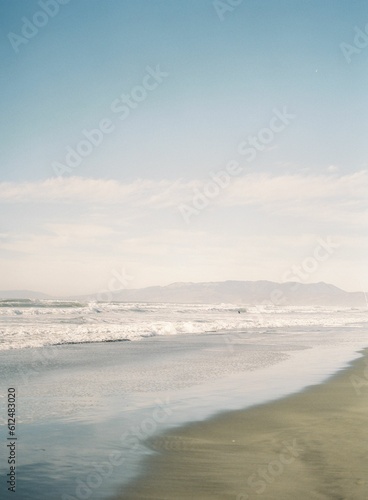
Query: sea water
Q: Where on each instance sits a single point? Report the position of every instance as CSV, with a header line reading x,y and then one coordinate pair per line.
x,y
96,381
37,323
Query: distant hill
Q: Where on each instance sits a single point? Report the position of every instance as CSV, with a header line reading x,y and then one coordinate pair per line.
x,y
244,292
239,292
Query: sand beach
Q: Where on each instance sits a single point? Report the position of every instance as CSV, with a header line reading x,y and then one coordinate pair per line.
x,y
312,445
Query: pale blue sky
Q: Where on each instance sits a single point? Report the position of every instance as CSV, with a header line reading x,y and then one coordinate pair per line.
x,y
225,78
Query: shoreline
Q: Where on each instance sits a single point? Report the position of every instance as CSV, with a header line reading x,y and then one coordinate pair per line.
x,y
309,445
99,405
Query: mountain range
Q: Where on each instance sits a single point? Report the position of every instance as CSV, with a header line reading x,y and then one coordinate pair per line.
x,y
239,292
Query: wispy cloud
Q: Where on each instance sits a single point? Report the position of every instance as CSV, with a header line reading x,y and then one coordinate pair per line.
x,y
81,190
77,227
330,197
255,189
250,189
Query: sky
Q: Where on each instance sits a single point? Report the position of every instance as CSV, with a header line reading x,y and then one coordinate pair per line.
x,y
146,142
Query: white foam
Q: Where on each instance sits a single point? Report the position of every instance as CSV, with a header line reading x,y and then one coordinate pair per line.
x,y
38,323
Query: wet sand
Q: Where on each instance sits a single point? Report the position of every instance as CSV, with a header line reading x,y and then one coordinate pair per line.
x,y
312,445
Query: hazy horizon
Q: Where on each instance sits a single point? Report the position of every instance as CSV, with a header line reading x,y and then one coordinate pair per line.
x,y
113,289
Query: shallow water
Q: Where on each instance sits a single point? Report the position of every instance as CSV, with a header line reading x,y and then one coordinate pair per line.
x,y
84,410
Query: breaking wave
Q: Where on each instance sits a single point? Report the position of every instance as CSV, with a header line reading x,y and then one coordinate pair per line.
x,y
35,323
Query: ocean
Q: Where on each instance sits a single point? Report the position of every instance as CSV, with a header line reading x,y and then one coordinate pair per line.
x,y
37,323
95,382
